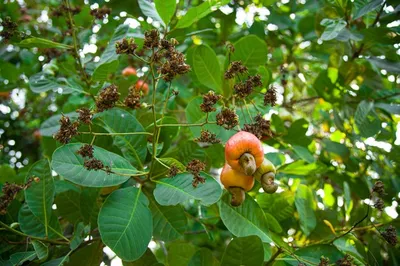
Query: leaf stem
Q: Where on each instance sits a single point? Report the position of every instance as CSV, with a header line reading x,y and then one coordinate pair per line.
x,y
116,133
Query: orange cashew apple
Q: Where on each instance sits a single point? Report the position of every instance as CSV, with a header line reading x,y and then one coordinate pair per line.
x,y
266,175
129,71
244,152
236,183
142,86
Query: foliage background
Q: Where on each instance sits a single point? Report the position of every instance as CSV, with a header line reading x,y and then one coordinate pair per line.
x,y
335,65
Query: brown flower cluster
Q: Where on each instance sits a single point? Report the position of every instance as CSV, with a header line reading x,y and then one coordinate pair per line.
x,y
107,98
133,99
390,235
227,118
9,28
63,10
260,128
347,260
86,151
245,88
323,261
51,53
151,39
93,164
379,204
100,13
67,130
85,115
379,189
207,137
175,61
209,100
173,171
126,46
10,191
235,68
194,167
270,97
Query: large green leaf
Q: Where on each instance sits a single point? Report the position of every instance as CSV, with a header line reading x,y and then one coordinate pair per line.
x,y
68,205
206,67
246,220
304,201
42,43
251,50
31,225
42,251
169,222
20,257
102,72
244,251
149,9
196,13
89,205
148,259
90,255
366,120
67,163
180,253
125,223
203,257
367,8
333,28
42,82
300,167
40,195
133,147
166,9
179,189
314,253
281,205
58,262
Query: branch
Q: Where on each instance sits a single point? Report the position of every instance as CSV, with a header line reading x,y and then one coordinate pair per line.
x,y
272,259
117,133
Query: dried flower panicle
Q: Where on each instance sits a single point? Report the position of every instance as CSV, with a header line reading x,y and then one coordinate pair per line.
x,y
323,261
133,99
227,118
195,167
63,10
93,164
270,97
9,28
379,188
207,137
67,130
107,98
126,46
175,61
51,53
379,204
390,235
100,13
151,39
347,260
85,115
175,92
173,171
209,100
245,88
230,47
86,151
260,128
235,68
10,191
255,80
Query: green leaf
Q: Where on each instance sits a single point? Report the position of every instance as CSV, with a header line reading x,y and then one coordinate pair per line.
x,y
90,255
246,220
303,153
166,9
79,235
251,50
206,67
148,259
40,195
20,257
333,28
42,82
281,205
129,235
367,8
89,205
7,173
304,201
266,75
273,224
31,225
391,108
203,257
180,253
67,163
133,147
366,120
300,167
68,205
150,10
244,251
42,251
389,66
169,222
179,189
196,13
102,72
314,253
297,133
58,262
42,43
